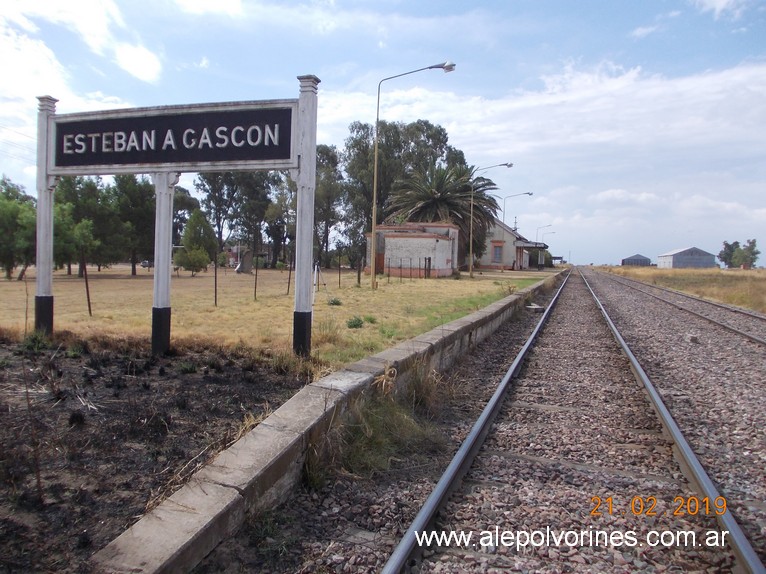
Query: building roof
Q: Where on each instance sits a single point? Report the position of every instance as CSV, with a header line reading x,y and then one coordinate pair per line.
x,y
678,251
638,256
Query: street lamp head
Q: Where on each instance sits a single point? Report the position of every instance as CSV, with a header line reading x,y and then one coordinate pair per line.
x,y
446,66
509,164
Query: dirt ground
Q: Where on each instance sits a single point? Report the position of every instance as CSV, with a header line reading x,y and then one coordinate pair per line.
x,y
91,438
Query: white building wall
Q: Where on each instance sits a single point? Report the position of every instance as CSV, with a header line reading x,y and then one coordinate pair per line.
x,y
410,252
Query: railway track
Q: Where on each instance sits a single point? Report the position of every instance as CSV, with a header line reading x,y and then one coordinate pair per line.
x,y
576,473
575,448
744,322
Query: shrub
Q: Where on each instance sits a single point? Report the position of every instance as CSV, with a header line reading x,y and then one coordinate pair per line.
x,y
195,260
334,301
355,322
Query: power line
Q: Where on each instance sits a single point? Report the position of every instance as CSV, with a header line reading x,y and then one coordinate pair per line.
x,y
17,132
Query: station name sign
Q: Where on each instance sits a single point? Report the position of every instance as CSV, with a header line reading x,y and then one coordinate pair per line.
x,y
209,137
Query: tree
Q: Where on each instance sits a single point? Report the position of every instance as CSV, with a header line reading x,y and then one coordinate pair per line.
x,y
450,195
135,206
25,241
183,206
403,149
199,244
254,190
280,221
328,200
84,240
746,256
17,227
92,201
726,254
220,201
195,260
735,255
199,234
13,191
64,246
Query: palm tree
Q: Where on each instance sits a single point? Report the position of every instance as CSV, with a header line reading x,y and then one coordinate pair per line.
x,y
444,194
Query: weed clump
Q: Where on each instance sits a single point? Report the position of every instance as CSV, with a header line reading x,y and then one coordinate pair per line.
x,y
386,425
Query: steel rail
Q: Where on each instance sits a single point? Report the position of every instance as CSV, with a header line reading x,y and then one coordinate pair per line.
x,y
733,308
738,541
465,454
748,336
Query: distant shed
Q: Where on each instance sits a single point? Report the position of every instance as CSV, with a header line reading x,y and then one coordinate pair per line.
x,y
686,258
637,260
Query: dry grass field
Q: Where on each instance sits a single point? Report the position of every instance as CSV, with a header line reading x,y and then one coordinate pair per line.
x,y
743,288
259,316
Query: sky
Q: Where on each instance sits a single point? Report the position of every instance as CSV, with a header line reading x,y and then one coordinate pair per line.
x,y
639,127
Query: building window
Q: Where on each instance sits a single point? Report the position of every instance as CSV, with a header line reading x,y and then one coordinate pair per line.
x,y
497,254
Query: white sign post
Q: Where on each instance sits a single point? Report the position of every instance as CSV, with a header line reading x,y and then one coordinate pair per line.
x,y
165,141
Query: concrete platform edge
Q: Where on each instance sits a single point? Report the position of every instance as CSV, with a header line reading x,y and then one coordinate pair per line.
x,y
259,470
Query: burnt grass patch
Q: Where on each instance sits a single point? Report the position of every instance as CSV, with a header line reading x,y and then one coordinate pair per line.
x,y
93,434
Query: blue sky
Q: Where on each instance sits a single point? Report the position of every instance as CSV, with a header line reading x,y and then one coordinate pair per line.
x,y
640,127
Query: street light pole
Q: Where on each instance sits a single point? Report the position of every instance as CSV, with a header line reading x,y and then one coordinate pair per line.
x,y
470,234
541,227
447,67
514,195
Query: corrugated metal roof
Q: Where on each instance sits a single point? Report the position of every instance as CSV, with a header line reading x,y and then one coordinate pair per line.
x,y
677,251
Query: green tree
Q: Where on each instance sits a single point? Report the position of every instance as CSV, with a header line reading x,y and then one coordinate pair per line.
x,y
13,191
199,234
64,246
220,201
255,189
199,244
17,227
195,260
736,255
25,241
135,206
328,200
280,221
183,206
84,240
91,200
403,149
449,195
745,256
726,254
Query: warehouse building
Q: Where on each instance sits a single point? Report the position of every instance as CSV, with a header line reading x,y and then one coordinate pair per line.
x,y
637,260
691,257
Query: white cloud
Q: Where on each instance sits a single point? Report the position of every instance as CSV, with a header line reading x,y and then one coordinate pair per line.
x,y
643,31
227,7
138,61
96,22
92,20
733,7
623,196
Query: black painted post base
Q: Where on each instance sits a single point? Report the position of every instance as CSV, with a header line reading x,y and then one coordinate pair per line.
x,y
160,330
302,333
44,314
